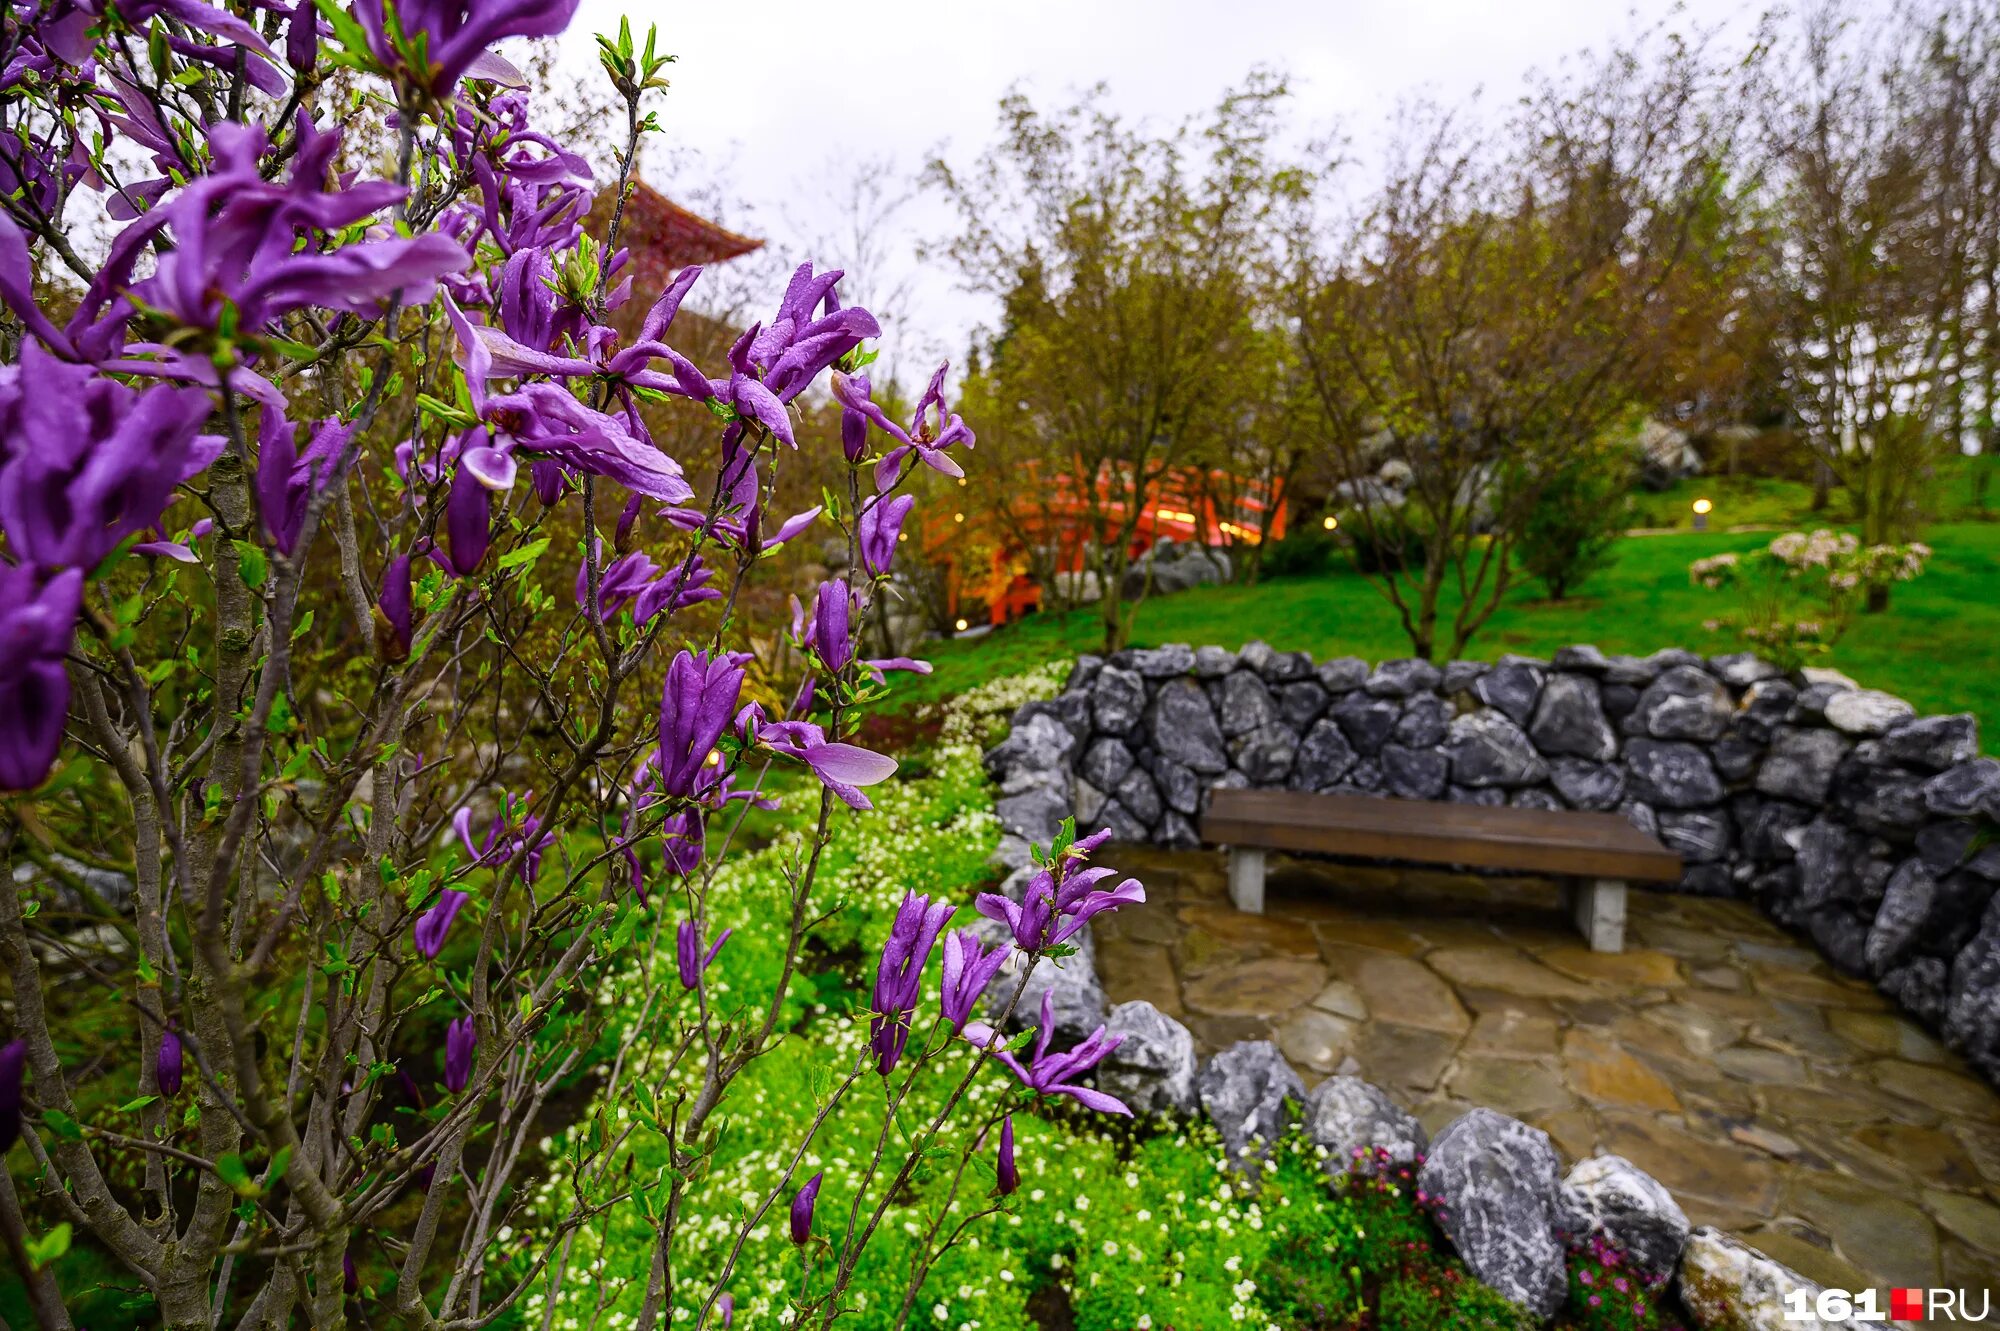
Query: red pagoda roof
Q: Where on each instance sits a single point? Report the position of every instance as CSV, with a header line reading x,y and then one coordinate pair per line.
x,y
664,237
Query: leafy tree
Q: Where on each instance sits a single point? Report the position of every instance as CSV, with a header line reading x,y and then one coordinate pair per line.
x,y
1579,513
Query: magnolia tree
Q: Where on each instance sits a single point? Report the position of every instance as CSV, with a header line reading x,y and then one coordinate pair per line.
x,y
348,752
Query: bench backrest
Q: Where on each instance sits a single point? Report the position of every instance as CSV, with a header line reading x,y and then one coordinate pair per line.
x,y
1558,841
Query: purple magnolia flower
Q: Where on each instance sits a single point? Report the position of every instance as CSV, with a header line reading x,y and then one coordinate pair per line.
x,y
1009,1176
635,580
432,926
725,1304
880,526
827,634
968,970
853,424
350,1279
1060,899
286,479
899,976
511,830
468,524
454,36
86,461
459,1040
931,431
1055,1074
238,240
13,1062
37,622
395,611
695,707
689,959
167,1067
841,768
176,550
802,1209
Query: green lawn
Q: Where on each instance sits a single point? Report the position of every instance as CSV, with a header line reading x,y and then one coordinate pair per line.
x,y
1967,489
1936,646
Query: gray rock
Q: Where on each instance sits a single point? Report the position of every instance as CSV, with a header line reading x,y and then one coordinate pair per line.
x,y
1365,776
1037,743
1300,703
1213,662
1083,673
1400,679
1735,758
1637,671
1740,670
1640,816
1251,1094
1512,689
1076,999
1088,801
1424,721
1713,879
1969,788
1034,815
1827,855
1767,825
1488,749
1491,796
1105,763
1414,774
1923,988
1587,785
1908,908
1686,702
1153,1068
1801,764
1729,1286
1866,711
1843,936
1012,853
1955,844
1139,796
1972,1015
1534,797
1671,774
1880,799
1496,1180
1256,655
1265,754
1609,1196
1569,719
1933,742
1620,701
1117,700
1286,667
1353,1120
1176,832
1122,823
1183,729
1158,662
1700,835
1179,786
1766,706
1583,657
1343,674
1244,703
1366,721
1461,675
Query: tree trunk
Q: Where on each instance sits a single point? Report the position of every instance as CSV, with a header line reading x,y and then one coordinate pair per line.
x,y
1878,598
1822,484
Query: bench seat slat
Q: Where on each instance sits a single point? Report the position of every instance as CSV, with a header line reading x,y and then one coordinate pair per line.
x,y
1601,845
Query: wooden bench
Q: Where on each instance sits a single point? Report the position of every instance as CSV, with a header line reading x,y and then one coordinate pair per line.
x,y
1596,853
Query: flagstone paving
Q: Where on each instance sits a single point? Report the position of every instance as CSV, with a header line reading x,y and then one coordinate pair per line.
x,y
1776,1098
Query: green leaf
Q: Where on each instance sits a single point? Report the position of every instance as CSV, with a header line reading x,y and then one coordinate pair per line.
x,y
231,1169
131,1106
281,1160
525,555
62,1125
49,1246
251,564
304,624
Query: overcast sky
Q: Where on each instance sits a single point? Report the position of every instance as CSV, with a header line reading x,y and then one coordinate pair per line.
x,y
777,103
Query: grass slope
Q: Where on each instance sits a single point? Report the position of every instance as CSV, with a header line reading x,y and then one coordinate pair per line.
x,y
1936,646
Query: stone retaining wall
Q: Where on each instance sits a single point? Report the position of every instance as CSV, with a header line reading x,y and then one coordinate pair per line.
x,y
1835,808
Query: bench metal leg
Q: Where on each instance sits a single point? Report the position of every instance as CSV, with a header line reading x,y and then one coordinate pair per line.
x,y
1246,879
1599,907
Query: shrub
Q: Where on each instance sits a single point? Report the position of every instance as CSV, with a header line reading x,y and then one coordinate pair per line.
x,y
1579,512
1301,552
1796,596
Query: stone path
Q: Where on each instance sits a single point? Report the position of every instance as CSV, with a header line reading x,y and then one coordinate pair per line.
x,y
1777,1099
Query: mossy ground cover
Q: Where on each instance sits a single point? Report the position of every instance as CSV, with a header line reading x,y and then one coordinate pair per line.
x,y
1938,645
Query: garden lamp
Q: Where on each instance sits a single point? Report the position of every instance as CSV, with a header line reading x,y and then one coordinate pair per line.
x,y
1701,511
